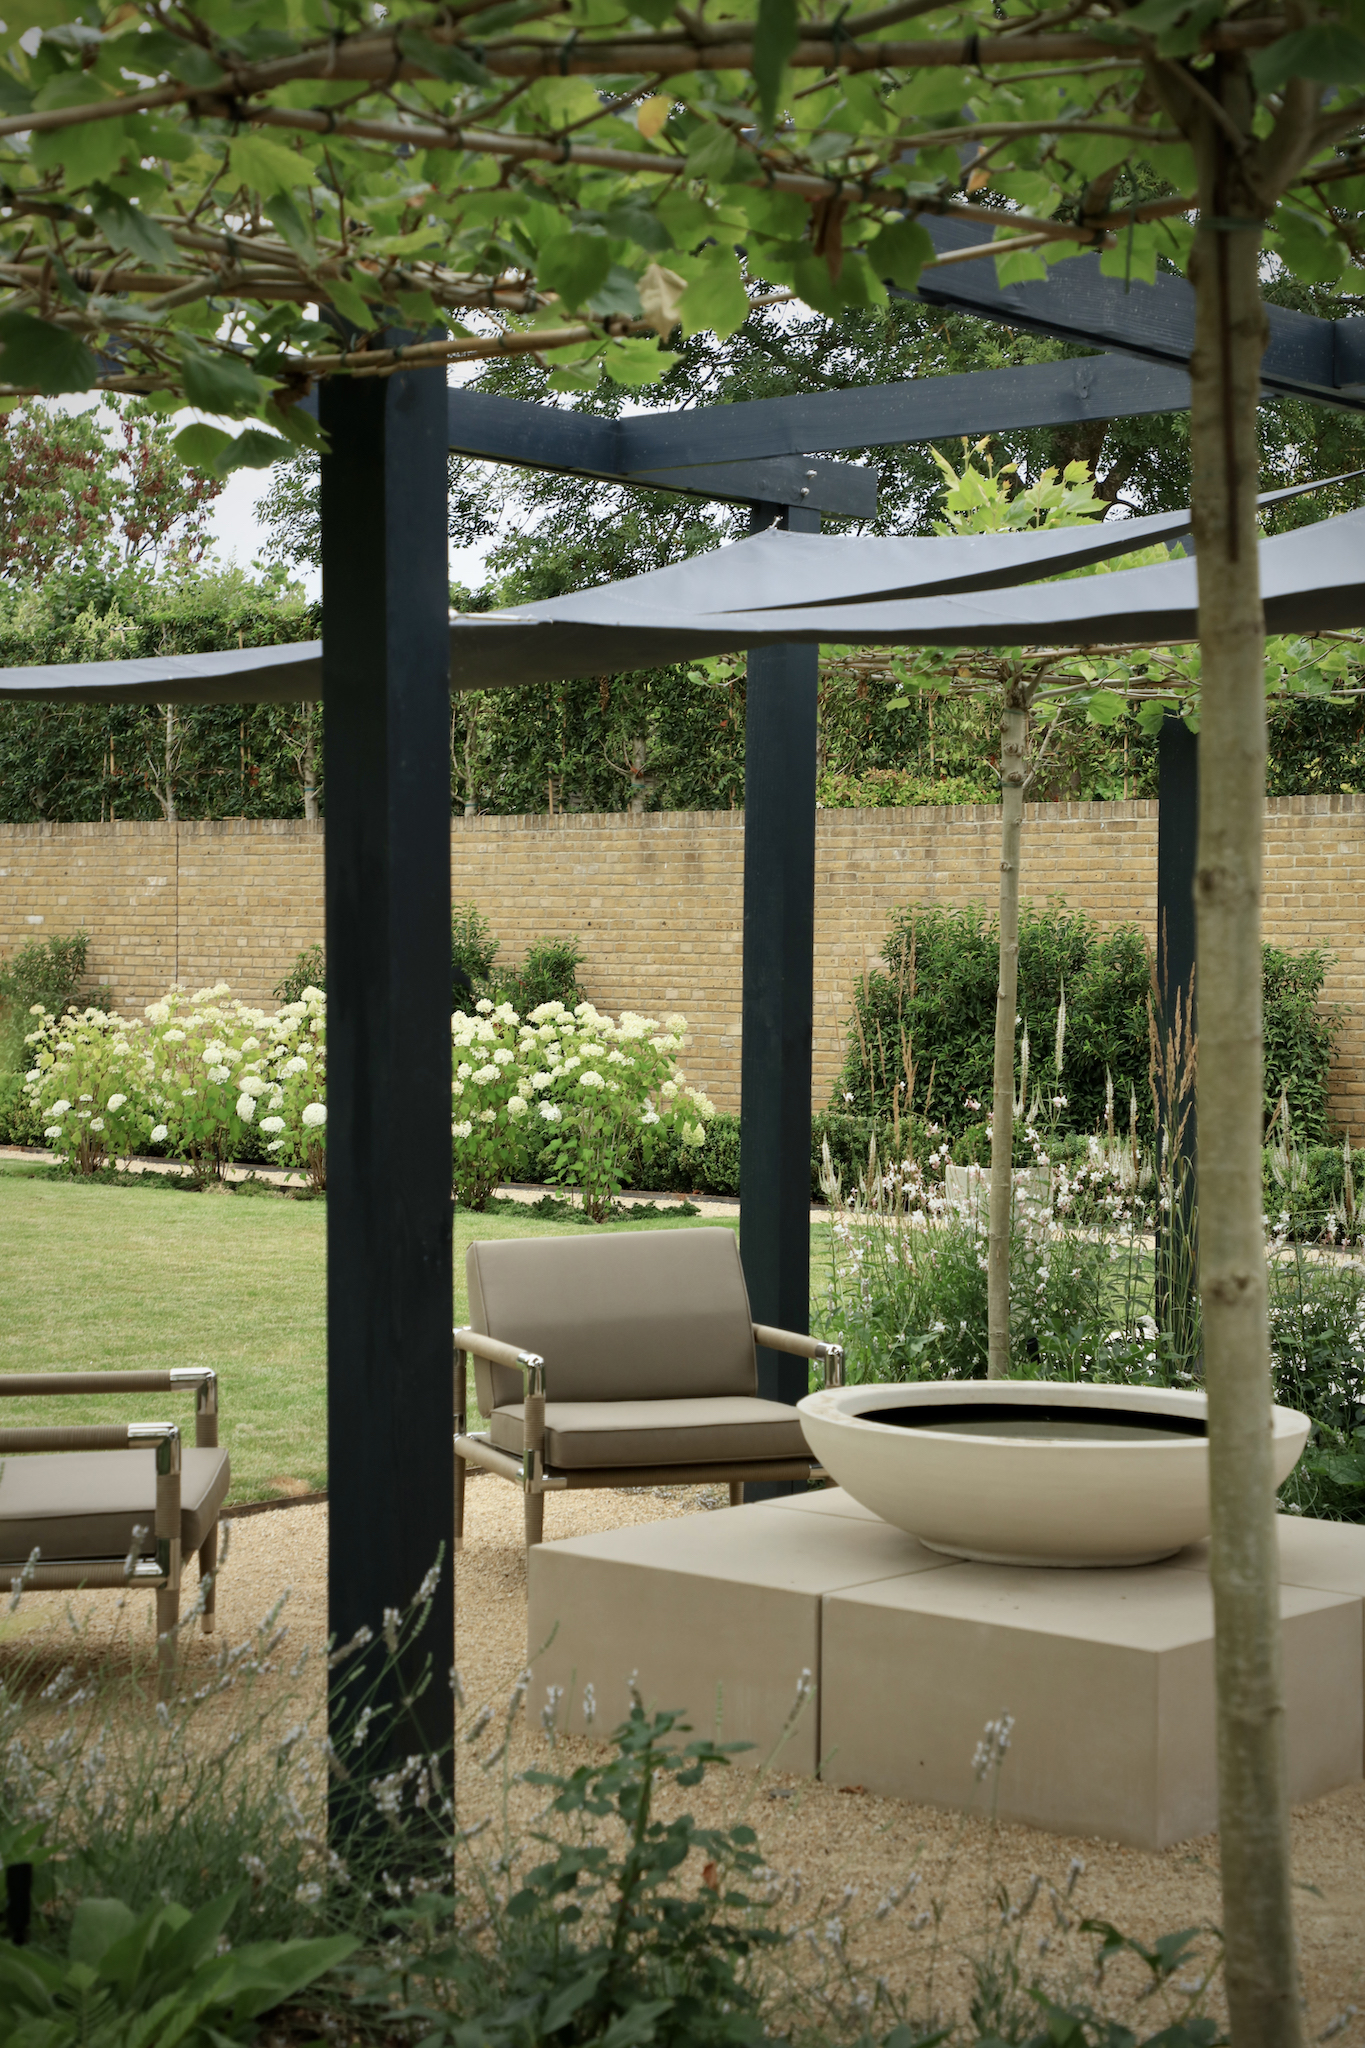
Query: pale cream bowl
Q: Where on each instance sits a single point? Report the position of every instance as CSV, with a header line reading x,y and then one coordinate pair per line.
x,y
1030,1472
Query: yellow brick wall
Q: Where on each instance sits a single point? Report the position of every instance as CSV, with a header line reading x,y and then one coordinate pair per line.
x,y
658,900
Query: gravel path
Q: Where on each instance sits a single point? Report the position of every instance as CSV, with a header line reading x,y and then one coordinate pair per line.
x,y
821,1843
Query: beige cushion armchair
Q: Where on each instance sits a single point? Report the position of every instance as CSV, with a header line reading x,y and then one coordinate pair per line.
x,y
114,1504
625,1360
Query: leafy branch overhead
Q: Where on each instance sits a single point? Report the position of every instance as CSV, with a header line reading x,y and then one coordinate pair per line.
x,y
217,205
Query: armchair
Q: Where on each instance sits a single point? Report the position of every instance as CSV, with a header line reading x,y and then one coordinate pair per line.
x,y
72,1515
621,1361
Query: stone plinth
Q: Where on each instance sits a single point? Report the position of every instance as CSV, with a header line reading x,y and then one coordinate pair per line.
x,y
1108,1674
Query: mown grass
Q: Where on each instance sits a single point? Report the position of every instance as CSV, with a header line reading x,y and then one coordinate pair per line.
x,y
107,1278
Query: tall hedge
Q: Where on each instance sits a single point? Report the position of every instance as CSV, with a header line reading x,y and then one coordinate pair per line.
x,y
935,997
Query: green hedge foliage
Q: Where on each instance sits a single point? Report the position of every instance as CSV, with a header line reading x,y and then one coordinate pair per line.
x,y
935,1001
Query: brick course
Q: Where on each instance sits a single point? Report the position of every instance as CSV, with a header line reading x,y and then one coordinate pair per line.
x,y
658,901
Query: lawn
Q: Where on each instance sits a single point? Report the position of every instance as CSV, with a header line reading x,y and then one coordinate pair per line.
x,y
107,1278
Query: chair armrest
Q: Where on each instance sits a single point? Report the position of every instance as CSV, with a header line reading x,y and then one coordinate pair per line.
x,y
497,1353
202,1378
803,1347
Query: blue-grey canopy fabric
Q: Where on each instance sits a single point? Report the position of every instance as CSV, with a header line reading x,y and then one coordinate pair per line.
x,y
961,590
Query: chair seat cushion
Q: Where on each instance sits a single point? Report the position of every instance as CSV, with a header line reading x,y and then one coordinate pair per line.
x,y
580,1435
84,1504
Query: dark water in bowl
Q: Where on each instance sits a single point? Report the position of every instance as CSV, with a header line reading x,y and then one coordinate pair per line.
x,y
1043,1422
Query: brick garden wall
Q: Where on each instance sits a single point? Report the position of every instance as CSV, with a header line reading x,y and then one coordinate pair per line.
x,y
657,901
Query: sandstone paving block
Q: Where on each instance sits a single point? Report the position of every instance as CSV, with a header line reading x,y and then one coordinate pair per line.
x,y
1109,1676
714,1612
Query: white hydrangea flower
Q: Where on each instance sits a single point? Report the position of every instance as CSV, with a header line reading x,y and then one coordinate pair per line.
x,y
315,1113
486,1074
464,1070
53,1131
158,1135
484,1007
34,1074
275,1145
172,1037
219,1074
502,1057
295,1066
649,1116
60,1106
488,1116
272,1123
551,1112
97,1123
252,1084
516,1106
591,1079
276,1099
669,1090
457,1087
85,1098
464,1130
246,1107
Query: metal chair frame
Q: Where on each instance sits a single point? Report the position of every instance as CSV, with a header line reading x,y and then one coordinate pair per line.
x,y
162,1572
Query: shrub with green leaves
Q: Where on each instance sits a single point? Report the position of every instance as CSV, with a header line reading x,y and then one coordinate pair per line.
x,y
89,1085
923,1027
607,1086
43,974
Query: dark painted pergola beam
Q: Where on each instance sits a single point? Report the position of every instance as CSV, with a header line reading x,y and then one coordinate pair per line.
x,y
1319,360
531,436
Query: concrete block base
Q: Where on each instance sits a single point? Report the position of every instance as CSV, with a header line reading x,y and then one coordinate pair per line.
x,y
1108,1674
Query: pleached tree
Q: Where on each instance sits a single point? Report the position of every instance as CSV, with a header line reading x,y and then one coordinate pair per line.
x,y
218,206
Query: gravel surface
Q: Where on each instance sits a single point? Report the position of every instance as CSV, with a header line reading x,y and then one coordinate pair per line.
x,y
835,1854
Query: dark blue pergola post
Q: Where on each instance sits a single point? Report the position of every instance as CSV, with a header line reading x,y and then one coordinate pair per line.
x,y
778,1000
386,697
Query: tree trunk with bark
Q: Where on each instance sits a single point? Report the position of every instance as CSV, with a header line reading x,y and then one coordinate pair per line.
x,y
1013,743
1230,335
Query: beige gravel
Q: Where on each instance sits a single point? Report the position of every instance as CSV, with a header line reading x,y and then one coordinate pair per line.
x,y
832,1839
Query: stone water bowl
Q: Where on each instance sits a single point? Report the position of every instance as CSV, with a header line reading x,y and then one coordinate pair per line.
x,y
1030,1472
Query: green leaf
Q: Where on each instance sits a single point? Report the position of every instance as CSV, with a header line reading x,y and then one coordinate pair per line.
x,y
83,154
1307,247
711,152
777,35
150,55
636,362
1106,707
715,299
129,228
289,222
219,383
255,449
620,294
448,61
352,304
95,1927
266,166
1330,55
576,376
900,252
575,266
49,358
561,2010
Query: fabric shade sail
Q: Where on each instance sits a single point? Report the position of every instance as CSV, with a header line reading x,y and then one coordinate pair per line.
x,y
775,588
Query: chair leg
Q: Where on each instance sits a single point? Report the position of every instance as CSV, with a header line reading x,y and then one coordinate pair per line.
x,y
167,1615
459,1503
208,1569
736,1493
535,1518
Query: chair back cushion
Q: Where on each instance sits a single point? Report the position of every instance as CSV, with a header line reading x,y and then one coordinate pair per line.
x,y
638,1315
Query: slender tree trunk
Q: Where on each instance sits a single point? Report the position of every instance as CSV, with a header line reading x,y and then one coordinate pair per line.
x,y
1013,740
1253,1799
310,765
